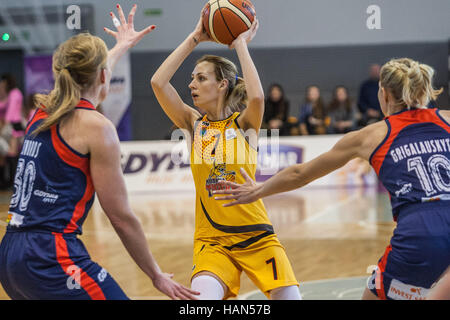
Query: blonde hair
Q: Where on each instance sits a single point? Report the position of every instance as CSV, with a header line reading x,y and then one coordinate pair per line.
x,y
75,65
409,82
236,97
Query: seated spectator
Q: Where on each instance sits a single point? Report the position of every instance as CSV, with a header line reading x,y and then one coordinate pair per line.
x,y
29,108
341,111
276,110
368,98
13,117
3,104
312,117
4,135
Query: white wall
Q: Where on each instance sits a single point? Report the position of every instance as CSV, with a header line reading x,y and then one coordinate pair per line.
x,y
285,23
294,23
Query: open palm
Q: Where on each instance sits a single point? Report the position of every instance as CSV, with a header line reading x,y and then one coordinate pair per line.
x,y
240,193
126,35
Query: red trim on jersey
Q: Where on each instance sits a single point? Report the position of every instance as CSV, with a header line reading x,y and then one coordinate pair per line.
x,y
80,207
85,104
379,285
67,155
84,280
38,115
82,163
440,122
41,114
398,122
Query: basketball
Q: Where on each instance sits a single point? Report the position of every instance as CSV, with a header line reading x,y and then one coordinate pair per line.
x,y
225,20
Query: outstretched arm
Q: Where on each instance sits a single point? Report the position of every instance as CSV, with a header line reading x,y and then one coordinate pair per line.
x,y
354,144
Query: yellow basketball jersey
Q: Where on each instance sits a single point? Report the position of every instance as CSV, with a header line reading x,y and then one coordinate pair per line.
x,y
219,150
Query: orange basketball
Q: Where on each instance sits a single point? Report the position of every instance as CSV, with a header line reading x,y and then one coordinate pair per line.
x,y
225,20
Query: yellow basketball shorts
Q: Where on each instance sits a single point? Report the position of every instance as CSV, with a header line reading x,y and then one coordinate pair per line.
x,y
265,262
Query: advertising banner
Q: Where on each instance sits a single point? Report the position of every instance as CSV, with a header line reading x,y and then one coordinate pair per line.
x,y
150,166
38,74
116,106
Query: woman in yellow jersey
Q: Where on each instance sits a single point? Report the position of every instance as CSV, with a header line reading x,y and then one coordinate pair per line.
x,y
227,241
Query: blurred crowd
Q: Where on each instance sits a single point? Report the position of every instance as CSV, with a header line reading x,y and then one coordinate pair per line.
x,y
314,116
15,110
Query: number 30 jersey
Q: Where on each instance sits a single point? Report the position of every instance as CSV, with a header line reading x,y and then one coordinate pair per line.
x,y
413,161
53,190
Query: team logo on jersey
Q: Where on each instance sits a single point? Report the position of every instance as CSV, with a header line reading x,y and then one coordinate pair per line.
x,y
46,196
16,219
102,275
230,134
402,291
217,174
406,188
229,123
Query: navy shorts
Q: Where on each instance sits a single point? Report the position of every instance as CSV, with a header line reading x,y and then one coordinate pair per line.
x,y
417,256
53,266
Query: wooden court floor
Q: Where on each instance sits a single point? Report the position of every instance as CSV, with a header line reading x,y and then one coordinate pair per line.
x,y
327,233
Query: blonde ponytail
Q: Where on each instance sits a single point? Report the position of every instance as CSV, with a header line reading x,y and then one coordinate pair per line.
x,y
409,82
237,96
60,102
75,65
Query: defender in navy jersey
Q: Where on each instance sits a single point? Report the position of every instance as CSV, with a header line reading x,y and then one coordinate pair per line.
x,y
46,213
44,199
70,152
413,162
410,152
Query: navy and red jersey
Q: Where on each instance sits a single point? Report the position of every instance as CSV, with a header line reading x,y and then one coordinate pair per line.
x,y
413,161
53,189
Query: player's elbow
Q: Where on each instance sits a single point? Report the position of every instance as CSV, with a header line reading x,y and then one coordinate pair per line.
x,y
120,216
257,99
256,103
155,82
123,221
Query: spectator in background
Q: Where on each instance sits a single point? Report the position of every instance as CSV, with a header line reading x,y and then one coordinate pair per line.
x,y
3,104
312,117
276,110
4,135
29,108
14,118
341,111
368,98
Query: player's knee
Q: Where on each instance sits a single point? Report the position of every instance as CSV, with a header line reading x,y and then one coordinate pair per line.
x,y
286,293
209,287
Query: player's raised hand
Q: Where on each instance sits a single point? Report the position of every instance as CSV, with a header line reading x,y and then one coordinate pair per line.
x,y
246,36
240,193
199,32
126,35
164,283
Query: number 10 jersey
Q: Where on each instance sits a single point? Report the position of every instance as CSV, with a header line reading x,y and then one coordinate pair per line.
x,y
413,161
